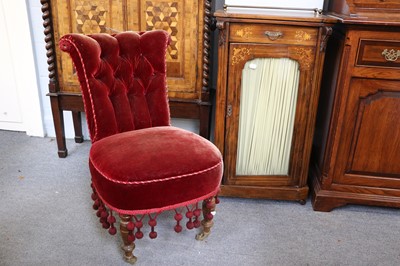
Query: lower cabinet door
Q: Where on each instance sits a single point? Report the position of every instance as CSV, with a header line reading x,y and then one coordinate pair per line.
x,y
369,150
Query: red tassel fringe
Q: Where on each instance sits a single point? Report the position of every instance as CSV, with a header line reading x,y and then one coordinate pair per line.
x,y
108,220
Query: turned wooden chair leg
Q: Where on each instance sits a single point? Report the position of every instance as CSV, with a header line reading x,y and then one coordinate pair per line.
x,y
207,223
127,246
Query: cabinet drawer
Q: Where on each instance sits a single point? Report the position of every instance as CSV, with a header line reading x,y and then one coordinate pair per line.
x,y
275,34
385,4
378,53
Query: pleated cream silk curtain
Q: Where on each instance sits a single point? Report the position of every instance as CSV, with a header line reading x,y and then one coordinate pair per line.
x,y
266,119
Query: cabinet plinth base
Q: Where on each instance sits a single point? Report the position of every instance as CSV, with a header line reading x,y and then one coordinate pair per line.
x,y
275,193
327,200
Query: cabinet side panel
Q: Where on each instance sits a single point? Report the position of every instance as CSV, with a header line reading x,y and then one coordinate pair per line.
x,y
326,100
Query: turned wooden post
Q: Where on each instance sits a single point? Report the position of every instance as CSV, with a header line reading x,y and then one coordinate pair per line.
x,y
127,247
207,223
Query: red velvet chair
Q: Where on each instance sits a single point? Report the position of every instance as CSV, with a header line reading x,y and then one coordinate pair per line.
x,y
140,165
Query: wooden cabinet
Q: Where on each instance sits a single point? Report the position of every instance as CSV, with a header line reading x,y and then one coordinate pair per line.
x,y
188,22
269,69
356,154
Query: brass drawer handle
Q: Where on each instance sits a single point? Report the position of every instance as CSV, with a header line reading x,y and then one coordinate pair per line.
x,y
391,55
273,35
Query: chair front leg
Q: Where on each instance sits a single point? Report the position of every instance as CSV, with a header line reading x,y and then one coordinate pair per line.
x,y
129,245
207,223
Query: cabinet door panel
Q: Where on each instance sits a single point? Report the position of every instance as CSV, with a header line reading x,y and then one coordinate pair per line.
x,y
267,151
369,154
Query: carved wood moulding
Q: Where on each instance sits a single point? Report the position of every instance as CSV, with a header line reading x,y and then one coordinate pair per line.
x,y
206,49
49,39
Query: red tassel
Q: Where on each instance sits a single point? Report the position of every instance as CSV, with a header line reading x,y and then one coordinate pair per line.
x,y
153,223
96,204
111,220
131,237
190,225
197,213
103,219
104,214
130,226
153,234
139,234
112,231
106,225
197,223
216,200
189,215
138,225
94,196
99,211
178,217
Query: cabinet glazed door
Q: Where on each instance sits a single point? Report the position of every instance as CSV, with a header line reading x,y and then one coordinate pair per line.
x,y
182,19
266,108
369,151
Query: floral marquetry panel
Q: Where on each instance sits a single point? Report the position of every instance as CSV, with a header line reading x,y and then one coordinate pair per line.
x,y
83,16
183,20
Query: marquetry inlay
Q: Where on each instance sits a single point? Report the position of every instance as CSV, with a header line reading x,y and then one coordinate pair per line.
x,y
91,16
164,15
244,32
302,36
304,55
239,54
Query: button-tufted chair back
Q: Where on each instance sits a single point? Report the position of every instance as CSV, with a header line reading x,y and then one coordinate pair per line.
x,y
123,80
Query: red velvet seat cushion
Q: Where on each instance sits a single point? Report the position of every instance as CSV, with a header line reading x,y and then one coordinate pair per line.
x,y
154,169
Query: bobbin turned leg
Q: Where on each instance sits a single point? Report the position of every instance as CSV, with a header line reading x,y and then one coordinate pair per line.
x,y
207,223
129,245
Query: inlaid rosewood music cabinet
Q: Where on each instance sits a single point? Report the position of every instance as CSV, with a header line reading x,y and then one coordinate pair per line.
x,y
269,71
356,153
188,22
